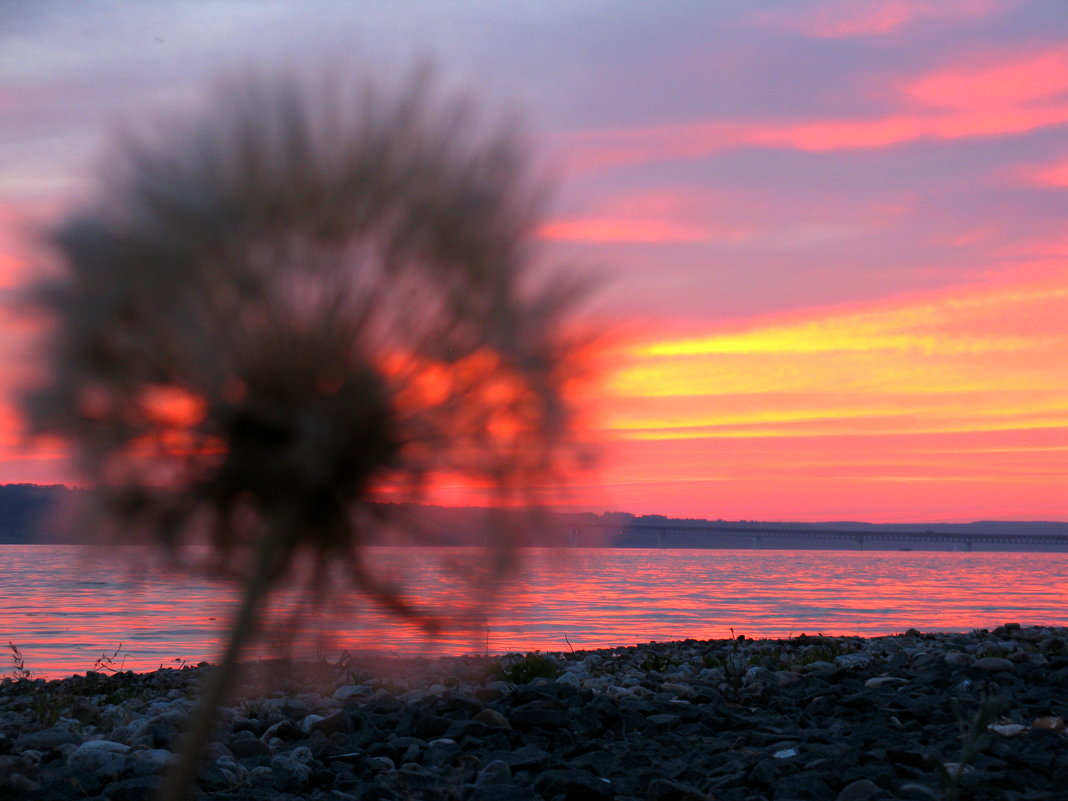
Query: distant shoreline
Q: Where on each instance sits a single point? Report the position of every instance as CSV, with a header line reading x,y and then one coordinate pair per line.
x,y
815,544
28,514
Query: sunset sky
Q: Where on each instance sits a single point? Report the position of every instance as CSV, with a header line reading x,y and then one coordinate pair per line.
x,y
833,236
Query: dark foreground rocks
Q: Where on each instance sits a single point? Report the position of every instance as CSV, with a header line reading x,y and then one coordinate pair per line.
x,y
913,716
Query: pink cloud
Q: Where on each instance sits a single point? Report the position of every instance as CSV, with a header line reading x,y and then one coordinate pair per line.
x,y
1010,84
1047,175
1009,96
848,18
658,216
607,229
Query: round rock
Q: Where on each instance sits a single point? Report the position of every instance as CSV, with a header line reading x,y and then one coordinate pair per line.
x,y
993,664
860,790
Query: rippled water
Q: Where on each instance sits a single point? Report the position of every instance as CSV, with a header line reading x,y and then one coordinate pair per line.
x,y
65,611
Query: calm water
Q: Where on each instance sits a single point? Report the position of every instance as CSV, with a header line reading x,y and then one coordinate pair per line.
x,y
64,610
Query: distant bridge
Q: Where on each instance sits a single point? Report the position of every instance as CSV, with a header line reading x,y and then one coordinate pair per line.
x,y
651,535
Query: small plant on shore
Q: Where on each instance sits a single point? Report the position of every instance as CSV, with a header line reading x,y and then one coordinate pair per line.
x,y
106,661
48,708
659,662
991,649
534,665
826,651
19,671
735,664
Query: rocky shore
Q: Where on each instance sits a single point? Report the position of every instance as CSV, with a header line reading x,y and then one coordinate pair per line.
x,y
979,715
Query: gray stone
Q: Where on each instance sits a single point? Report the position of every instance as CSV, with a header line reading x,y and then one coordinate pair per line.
x,y
289,773
786,678
529,757
818,666
283,730
213,778
16,785
261,776
712,675
662,722
349,692
233,766
993,664
495,772
758,676
249,748
442,752
214,750
885,681
661,789
136,788
860,790
415,781
852,661
96,763
148,762
569,678
46,739
503,792
491,717
335,722
529,718
957,659
572,783
309,721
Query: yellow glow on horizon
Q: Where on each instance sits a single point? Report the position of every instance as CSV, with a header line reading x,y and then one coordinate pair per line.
x,y
930,328
935,403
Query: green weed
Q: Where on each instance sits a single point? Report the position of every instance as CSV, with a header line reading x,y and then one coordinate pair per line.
x,y
19,671
534,665
659,662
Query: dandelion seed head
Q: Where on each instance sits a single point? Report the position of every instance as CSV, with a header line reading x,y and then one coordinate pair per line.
x,y
309,297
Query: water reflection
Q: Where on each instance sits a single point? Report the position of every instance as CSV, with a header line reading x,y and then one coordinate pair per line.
x,y
65,612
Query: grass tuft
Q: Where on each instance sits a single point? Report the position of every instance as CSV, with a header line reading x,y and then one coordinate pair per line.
x,y
533,665
19,671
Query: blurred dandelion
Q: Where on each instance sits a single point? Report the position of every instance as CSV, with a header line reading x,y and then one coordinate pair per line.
x,y
312,298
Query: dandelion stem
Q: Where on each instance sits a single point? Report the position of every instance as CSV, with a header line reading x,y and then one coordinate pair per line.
x,y
221,679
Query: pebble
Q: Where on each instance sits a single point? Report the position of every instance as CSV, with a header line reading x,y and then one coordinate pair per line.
x,y
839,718
859,790
993,664
885,681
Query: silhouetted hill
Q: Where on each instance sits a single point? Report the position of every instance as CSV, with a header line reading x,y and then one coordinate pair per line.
x,y
26,509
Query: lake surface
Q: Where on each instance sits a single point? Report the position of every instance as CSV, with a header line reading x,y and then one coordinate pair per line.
x,y
65,607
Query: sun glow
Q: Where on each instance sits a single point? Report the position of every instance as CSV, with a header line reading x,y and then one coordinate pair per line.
x,y
937,392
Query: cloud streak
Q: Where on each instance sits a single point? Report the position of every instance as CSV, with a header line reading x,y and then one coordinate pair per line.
x,y
1012,94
